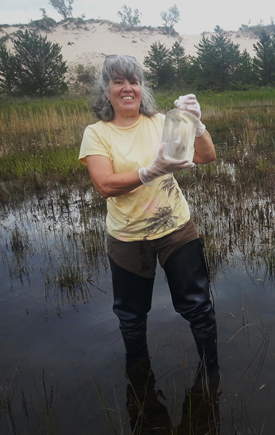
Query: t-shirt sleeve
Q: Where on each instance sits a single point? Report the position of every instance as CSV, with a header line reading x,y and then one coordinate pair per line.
x,y
92,145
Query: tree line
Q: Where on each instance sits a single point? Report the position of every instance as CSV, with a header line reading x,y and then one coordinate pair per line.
x,y
219,64
36,66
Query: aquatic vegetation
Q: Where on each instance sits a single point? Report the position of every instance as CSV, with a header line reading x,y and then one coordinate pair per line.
x,y
71,245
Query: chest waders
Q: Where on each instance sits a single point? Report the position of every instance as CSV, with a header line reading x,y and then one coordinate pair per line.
x,y
132,302
188,281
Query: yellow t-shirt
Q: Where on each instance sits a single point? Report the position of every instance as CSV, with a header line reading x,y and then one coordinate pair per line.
x,y
145,213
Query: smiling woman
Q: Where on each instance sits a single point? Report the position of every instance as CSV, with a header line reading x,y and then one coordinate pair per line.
x,y
123,68
125,98
148,216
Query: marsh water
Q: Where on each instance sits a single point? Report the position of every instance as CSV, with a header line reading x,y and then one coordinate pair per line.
x,y
62,356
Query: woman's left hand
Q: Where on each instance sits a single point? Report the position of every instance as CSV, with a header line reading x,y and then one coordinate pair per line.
x,y
189,102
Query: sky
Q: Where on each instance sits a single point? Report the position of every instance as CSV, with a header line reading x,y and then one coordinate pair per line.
x,y
196,16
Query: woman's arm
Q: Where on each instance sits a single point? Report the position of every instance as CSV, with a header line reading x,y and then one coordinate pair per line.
x,y
110,184
106,181
204,149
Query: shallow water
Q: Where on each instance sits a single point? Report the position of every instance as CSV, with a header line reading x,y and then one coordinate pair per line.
x,y
61,350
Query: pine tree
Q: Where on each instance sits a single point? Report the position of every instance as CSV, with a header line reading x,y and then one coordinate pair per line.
x,y
244,76
264,60
179,63
7,70
39,66
216,63
160,71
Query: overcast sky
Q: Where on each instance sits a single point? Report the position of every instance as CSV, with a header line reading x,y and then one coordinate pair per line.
x,y
196,16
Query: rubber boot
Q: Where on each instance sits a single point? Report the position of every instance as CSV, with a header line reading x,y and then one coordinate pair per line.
x,y
132,302
188,280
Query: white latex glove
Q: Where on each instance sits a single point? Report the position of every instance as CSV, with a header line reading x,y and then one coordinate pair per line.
x,y
162,165
189,102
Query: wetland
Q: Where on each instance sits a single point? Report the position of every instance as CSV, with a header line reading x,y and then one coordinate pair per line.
x,y
62,366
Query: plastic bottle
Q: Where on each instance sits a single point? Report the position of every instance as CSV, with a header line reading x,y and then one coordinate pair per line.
x,y
179,134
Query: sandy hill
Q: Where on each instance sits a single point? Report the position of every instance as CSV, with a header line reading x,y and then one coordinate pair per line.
x,y
89,44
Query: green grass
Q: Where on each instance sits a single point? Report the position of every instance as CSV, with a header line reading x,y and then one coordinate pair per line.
x,y
227,99
27,105
60,161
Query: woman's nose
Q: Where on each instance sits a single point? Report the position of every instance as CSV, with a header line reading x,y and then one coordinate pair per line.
x,y
127,86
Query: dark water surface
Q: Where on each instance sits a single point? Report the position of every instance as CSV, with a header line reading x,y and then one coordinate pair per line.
x,y
61,350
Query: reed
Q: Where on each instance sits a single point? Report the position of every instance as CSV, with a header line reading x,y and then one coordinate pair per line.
x,y
25,129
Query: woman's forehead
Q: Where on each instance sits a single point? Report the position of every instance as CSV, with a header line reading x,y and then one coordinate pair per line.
x,y
124,75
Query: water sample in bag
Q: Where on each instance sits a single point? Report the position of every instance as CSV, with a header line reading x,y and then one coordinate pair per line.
x,y
179,134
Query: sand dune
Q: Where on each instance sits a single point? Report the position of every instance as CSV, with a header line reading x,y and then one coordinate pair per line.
x,y
90,45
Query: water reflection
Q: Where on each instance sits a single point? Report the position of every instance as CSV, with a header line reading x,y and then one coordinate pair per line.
x,y
146,404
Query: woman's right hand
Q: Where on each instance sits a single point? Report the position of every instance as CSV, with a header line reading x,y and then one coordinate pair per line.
x,y
162,165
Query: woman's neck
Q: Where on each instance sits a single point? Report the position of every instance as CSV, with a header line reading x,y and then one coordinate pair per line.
x,y
123,121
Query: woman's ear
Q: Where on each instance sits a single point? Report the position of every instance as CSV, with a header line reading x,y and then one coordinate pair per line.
x,y
106,93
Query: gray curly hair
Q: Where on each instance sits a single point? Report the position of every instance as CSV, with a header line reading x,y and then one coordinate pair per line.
x,y
130,69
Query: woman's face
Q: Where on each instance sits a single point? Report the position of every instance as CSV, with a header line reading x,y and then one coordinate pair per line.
x,y
125,96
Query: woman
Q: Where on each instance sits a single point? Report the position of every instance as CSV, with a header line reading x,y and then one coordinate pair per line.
x,y
148,216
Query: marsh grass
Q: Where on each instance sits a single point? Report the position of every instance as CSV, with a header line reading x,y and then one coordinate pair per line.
x,y
34,125
16,253
39,146
229,99
40,139
71,246
47,403
46,396
6,410
37,165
